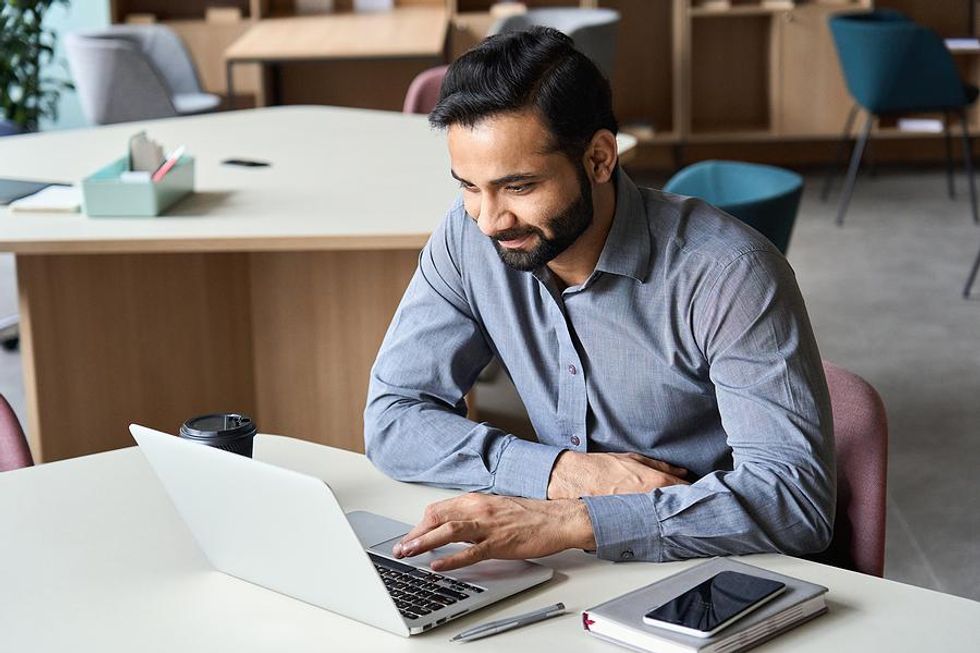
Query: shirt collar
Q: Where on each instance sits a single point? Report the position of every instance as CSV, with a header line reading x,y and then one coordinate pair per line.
x,y
627,248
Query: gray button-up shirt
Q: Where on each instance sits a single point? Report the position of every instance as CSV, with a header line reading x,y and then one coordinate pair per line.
x,y
689,343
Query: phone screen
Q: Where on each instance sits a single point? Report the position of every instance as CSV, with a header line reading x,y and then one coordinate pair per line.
x,y
708,606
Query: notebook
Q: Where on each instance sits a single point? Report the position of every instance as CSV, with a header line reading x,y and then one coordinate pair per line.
x,y
620,620
53,199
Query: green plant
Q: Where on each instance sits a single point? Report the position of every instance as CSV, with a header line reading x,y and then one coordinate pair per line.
x,y
26,47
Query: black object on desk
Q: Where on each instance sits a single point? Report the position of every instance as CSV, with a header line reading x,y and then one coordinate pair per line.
x,y
246,163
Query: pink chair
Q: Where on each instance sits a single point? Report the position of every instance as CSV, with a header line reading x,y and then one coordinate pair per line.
x,y
423,92
861,438
14,452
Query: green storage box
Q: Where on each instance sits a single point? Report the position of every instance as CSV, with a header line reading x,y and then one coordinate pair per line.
x,y
105,195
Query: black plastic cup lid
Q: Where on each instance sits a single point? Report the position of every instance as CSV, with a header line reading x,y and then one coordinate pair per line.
x,y
224,425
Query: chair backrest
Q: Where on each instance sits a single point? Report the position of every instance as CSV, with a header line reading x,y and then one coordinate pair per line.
x,y
764,197
163,47
861,439
592,30
423,92
892,64
14,452
115,81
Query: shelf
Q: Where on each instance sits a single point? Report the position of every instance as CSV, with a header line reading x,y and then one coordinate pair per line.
x,y
658,138
737,10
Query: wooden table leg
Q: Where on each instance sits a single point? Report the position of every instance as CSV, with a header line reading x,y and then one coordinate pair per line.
x,y
288,337
119,338
318,321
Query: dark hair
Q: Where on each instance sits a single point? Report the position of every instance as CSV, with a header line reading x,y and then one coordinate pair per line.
x,y
538,68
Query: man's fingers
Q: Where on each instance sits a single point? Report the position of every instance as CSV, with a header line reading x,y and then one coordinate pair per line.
x,y
471,555
674,480
659,465
436,514
453,531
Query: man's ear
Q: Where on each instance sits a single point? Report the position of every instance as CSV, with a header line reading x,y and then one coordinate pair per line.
x,y
601,156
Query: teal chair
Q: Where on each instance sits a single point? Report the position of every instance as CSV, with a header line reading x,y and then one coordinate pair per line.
x,y
764,197
895,66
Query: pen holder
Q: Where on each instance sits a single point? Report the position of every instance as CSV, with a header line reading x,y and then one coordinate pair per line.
x,y
106,195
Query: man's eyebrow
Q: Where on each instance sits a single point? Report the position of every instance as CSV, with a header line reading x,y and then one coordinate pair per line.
x,y
502,181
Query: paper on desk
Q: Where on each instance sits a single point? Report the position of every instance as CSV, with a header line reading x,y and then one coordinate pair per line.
x,y
963,45
144,154
53,199
926,125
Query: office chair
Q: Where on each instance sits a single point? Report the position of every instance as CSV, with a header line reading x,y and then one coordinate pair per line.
x,y
135,72
861,440
14,452
423,92
764,197
892,65
592,30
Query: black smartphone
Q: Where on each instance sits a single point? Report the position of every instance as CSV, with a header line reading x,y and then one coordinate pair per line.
x,y
246,163
714,604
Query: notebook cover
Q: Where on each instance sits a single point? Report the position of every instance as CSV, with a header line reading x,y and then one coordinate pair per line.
x,y
628,610
14,189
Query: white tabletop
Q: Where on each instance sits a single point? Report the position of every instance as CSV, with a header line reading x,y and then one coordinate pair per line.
x,y
339,179
93,557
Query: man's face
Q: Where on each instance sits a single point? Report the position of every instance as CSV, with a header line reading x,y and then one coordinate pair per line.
x,y
531,202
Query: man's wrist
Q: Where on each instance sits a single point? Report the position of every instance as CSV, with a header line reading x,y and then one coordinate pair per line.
x,y
578,525
561,482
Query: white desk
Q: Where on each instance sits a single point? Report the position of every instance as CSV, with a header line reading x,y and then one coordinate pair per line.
x,y
94,558
268,292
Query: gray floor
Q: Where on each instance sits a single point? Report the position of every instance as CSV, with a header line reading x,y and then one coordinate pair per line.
x,y
883,295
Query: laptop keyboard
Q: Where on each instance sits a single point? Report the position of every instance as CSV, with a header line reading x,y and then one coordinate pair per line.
x,y
418,592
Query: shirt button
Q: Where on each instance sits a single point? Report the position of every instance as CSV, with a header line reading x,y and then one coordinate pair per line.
x,y
572,370
574,440
627,554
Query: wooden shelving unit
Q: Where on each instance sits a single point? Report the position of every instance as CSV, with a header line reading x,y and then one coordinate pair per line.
x,y
750,73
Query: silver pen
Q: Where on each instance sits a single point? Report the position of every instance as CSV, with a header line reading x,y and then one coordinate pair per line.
x,y
494,627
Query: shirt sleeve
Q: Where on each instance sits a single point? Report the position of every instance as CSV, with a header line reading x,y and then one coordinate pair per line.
x,y
752,328
415,425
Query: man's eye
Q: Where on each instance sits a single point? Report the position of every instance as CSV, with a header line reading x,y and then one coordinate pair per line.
x,y
520,188
465,186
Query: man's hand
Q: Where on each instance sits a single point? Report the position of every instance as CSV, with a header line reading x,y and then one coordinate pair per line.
x,y
590,474
507,528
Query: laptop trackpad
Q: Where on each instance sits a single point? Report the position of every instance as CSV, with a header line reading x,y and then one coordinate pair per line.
x,y
372,528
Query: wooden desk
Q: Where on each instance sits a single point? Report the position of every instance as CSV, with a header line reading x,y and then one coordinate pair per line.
x,y
402,33
97,559
268,292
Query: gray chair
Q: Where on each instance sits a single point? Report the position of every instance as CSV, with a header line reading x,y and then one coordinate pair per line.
x,y
592,30
135,72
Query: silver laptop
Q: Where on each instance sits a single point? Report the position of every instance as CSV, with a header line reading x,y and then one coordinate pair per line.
x,y
286,531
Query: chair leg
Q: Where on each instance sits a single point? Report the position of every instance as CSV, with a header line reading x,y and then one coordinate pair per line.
x,y
852,170
870,162
972,277
950,184
840,157
968,161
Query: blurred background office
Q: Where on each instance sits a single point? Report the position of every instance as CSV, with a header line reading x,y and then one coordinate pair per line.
x,y
841,129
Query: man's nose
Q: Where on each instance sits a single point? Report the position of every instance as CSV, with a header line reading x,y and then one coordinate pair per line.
x,y
494,217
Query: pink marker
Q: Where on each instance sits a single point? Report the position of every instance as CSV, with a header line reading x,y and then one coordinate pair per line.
x,y
168,164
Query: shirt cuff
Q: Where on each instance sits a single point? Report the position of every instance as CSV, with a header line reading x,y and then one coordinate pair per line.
x,y
626,527
524,469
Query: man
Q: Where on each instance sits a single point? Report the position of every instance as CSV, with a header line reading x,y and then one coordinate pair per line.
x,y
661,348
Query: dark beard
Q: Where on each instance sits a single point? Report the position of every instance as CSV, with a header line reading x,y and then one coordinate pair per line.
x,y
565,227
